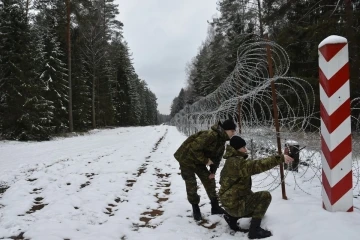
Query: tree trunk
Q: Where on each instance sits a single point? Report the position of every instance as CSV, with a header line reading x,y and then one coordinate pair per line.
x,y
260,20
71,128
27,8
104,19
93,99
239,112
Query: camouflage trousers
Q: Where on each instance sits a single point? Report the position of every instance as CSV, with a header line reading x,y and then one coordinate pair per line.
x,y
253,205
188,174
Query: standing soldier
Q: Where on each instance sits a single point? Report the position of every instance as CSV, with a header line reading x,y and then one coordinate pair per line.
x,y
202,149
235,191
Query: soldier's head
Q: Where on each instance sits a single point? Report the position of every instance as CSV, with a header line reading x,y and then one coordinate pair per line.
x,y
229,127
238,143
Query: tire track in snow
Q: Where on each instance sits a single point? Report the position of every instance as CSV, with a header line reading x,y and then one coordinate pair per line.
x,y
35,177
18,237
163,184
38,201
162,190
3,188
132,181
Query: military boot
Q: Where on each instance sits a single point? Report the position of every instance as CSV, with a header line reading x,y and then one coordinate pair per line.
x,y
215,208
232,222
255,231
196,212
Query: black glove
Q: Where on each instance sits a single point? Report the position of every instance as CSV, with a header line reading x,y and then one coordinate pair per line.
x,y
213,168
293,153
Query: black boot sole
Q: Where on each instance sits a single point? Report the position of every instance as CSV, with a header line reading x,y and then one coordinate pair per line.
x,y
260,237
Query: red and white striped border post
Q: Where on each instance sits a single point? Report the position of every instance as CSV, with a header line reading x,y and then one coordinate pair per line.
x,y
336,154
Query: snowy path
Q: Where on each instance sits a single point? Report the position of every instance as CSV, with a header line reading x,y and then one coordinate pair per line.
x,y
124,184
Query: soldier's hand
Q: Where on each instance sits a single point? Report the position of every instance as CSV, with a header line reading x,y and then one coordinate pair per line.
x,y
211,176
288,159
209,163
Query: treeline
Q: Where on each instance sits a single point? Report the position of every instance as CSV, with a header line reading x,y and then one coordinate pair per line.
x,y
163,118
296,25
65,66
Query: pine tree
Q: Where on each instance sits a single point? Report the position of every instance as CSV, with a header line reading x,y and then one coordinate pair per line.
x,y
135,100
81,87
26,114
178,103
216,67
93,53
173,107
53,71
142,103
106,85
38,96
181,100
112,26
151,107
131,82
199,74
121,90
162,118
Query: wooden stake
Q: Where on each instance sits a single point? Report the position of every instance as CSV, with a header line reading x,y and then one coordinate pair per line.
x,y
271,74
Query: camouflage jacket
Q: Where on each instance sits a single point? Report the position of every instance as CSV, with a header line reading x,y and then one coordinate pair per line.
x,y
202,146
235,177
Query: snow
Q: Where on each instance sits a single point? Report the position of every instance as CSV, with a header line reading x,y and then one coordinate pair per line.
x,y
333,39
266,30
124,183
292,142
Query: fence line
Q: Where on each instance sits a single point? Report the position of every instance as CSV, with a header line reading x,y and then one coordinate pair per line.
x,y
249,85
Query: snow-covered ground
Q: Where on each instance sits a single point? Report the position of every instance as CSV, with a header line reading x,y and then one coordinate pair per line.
x,y
124,184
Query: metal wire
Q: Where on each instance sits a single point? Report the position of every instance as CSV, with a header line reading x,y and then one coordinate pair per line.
x,y
248,86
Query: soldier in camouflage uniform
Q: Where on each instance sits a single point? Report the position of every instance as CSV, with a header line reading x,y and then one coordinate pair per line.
x,y
235,192
202,149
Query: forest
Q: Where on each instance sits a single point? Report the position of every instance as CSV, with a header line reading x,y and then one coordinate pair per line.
x,y
65,66
298,26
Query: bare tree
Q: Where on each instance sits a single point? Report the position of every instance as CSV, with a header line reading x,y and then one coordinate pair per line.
x,y
260,18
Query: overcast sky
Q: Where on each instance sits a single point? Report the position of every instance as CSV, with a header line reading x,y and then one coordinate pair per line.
x,y
164,35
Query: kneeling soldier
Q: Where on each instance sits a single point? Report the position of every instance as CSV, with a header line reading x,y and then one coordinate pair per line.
x,y
235,192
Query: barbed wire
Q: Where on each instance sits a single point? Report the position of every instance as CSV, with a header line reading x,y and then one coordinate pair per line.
x,y
246,97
